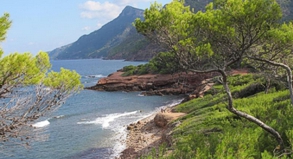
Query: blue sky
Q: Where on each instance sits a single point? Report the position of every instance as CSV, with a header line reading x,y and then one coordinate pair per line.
x,y
47,24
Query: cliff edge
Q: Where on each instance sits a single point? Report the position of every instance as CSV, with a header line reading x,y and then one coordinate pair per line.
x,y
154,84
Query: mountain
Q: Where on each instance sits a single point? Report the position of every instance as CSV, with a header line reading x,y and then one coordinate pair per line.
x,y
118,39
98,43
135,47
56,52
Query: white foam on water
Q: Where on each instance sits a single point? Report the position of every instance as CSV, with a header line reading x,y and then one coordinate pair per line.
x,y
41,124
45,123
106,120
121,135
119,145
95,76
59,116
140,95
117,122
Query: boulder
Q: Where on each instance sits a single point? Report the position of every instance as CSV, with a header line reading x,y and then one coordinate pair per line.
x,y
162,119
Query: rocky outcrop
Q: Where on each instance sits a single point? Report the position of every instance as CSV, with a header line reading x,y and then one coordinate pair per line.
x,y
153,84
162,119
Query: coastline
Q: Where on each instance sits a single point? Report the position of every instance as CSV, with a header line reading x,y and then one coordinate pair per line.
x,y
147,134
143,135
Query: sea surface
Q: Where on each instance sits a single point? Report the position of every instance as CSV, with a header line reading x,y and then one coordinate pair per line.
x,y
91,124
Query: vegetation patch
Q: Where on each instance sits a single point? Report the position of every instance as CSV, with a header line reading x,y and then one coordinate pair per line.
x,y
209,130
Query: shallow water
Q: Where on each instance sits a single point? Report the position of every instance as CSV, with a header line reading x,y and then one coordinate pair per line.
x,y
91,124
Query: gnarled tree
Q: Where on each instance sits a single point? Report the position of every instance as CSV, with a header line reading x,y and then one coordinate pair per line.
x,y
214,40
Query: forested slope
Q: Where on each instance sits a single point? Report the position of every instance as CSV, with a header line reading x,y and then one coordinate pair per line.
x,y
211,131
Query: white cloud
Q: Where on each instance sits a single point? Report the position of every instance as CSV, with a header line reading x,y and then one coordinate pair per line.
x,y
131,2
86,28
106,10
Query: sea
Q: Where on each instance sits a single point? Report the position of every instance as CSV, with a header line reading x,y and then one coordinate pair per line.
x,y
91,124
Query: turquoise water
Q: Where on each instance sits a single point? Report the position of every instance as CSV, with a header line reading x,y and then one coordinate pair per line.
x,y
91,124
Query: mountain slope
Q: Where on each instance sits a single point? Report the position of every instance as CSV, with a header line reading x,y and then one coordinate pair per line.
x,y
135,47
118,39
56,52
98,43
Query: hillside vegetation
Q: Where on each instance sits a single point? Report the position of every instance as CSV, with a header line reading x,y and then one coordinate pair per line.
x,y
135,47
241,116
209,130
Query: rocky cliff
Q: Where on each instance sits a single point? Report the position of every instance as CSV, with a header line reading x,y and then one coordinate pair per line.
x,y
154,84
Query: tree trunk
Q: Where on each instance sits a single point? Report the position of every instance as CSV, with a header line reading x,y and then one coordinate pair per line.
x,y
289,76
289,80
288,70
247,116
268,85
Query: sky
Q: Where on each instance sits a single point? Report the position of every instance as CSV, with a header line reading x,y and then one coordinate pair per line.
x,y
43,25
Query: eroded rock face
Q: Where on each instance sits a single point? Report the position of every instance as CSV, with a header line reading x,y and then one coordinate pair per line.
x,y
158,84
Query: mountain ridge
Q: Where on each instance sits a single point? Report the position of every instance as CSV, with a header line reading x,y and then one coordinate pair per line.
x,y
119,39
97,43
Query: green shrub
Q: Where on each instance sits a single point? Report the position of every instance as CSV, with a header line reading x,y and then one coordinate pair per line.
x,y
138,70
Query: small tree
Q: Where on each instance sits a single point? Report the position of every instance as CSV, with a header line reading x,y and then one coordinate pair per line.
x,y
29,90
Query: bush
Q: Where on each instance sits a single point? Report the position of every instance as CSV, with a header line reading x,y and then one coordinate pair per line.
x,y
139,70
128,68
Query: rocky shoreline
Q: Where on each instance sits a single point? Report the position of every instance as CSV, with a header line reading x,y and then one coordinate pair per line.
x,y
149,133
153,84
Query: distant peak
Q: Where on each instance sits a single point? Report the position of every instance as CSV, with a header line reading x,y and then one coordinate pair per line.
x,y
129,7
129,10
